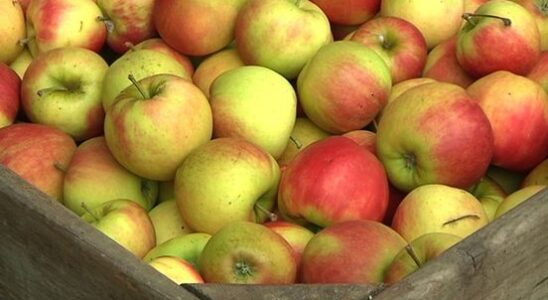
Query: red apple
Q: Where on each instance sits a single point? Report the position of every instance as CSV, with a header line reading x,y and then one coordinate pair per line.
x,y
398,42
333,180
10,85
364,138
442,64
349,12
539,10
511,101
539,73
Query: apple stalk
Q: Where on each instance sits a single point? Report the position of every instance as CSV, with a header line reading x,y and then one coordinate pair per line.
x,y
86,208
271,216
109,24
295,141
138,86
413,255
468,17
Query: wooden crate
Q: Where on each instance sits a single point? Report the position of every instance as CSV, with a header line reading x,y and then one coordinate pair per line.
x,y
47,252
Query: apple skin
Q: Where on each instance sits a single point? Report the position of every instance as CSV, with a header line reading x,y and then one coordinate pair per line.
x,y
55,24
364,138
398,42
10,85
21,63
281,35
12,30
131,22
176,269
445,129
140,63
125,222
159,45
539,10
254,103
427,16
244,252
43,164
188,247
344,86
306,192
539,73
151,134
442,64
511,101
70,99
399,88
490,194
438,208
349,12
304,133
93,166
426,248
215,65
196,27
167,221
518,197
486,45
538,175
226,180
330,256
472,5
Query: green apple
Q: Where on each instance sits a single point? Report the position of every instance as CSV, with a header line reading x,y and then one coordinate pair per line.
x,y
12,30
226,180
254,103
157,44
155,123
304,133
243,252
167,221
140,63
125,222
537,176
490,194
56,92
215,65
93,166
418,252
188,247
518,197
22,62
176,269
438,208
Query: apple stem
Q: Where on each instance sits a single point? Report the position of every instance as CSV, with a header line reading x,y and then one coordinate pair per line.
x,y
295,141
130,45
23,42
461,218
86,208
137,85
49,90
272,216
108,23
468,17
60,167
413,255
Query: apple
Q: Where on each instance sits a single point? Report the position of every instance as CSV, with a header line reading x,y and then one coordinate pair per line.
x,y
159,45
254,103
155,123
22,62
12,30
344,86
127,21
438,208
509,180
93,166
538,175
40,154
215,65
472,5
226,180
539,73
196,27
176,269
55,24
188,247
307,193
56,92
140,63
244,252
331,255
166,191
518,197
437,20
304,133
500,35
442,64
125,222
398,42
511,101
419,252
490,194
447,138
10,85
400,87
539,10
364,138
167,221
281,35
349,12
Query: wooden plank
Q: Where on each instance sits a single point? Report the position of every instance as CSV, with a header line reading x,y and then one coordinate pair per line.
x,y
47,252
507,259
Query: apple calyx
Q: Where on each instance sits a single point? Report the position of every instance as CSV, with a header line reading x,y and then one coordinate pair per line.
x,y
385,43
271,216
242,269
23,42
86,208
461,218
410,161
469,17
47,91
109,24
542,6
138,86
409,249
295,141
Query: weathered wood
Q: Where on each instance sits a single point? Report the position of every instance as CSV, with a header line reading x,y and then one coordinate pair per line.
x,y
507,259
47,252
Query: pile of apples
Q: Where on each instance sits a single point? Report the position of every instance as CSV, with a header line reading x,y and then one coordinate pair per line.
x,y
278,141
